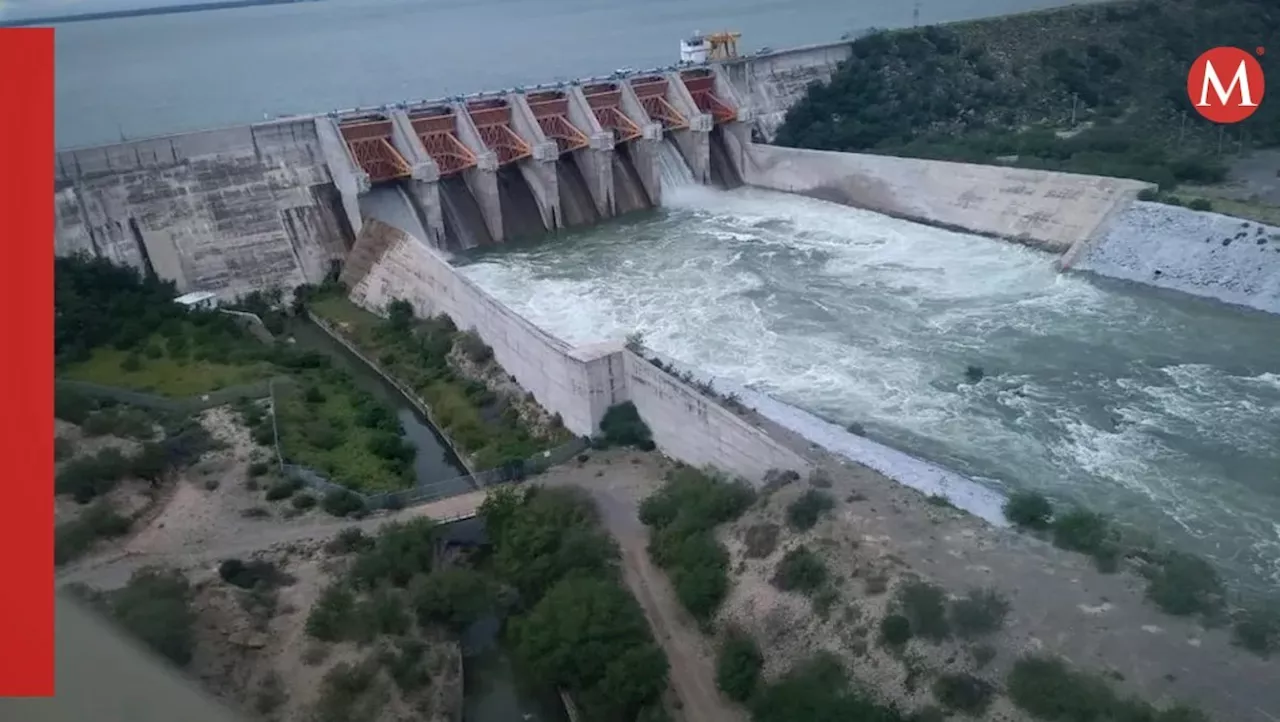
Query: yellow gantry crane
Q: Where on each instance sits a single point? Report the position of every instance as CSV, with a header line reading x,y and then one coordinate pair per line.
x,y
723,45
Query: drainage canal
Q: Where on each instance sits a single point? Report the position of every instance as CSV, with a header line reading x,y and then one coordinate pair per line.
x,y
494,688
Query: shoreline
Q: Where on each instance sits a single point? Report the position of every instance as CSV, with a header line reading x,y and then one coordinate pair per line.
x,y
49,20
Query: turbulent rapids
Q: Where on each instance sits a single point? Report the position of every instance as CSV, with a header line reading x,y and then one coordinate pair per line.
x,y
1160,409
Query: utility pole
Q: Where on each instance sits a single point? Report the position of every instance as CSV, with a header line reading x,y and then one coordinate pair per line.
x,y
1074,98
915,15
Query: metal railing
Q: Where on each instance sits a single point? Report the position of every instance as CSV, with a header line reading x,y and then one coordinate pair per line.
x,y
230,394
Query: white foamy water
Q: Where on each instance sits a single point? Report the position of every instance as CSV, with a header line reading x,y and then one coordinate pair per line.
x,y
1162,410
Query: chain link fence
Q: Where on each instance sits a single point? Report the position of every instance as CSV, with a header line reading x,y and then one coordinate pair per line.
x,y
193,404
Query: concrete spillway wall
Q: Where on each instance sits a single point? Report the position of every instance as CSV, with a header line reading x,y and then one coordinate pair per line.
x,y
769,84
229,211
1204,254
577,382
1049,210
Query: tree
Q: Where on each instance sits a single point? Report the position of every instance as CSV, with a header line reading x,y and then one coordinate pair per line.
x,y
738,665
589,635
155,606
453,596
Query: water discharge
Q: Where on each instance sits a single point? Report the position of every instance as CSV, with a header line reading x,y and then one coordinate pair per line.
x,y
1160,409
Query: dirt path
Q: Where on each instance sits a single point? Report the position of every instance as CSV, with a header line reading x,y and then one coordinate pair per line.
x,y
628,478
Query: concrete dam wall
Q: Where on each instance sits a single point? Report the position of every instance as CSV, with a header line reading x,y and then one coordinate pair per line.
x,y
229,211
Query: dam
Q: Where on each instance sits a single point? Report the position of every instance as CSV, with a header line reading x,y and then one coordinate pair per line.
x,y
826,290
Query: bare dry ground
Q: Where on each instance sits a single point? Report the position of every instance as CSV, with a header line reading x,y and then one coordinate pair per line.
x,y
251,647
881,534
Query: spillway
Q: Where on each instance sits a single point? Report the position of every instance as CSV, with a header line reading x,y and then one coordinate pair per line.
x,y
1160,409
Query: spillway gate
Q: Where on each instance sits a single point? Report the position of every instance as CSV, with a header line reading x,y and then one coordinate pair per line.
x,y
652,92
492,118
437,129
369,140
551,109
605,100
701,84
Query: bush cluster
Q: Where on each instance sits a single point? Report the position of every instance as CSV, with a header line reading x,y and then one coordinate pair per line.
x,y
804,512
622,426
580,630
682,517
1048,689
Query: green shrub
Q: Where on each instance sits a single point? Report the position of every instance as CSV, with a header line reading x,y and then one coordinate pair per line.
x,y
332,617
282,489
351,539
473,347
1148,194
1047,688
1257,630
1028,509
400,551
1185,584
924,605
817,689
981,611
1200,204
895,630
803,513
964,693
455,597
248,575
1086,532
74,538
800,570
738,665
303,501
381,613
342,502
155,606
622,426
258,468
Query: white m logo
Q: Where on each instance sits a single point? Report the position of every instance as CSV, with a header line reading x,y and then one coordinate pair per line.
x,y
1241,78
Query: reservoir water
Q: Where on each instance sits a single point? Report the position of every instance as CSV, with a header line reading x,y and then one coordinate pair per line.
x,y
1161,409
135,77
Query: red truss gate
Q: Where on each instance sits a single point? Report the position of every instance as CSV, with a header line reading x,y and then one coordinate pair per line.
x,y
605,100
701,84
551,109
369,140
493,120
652,92
437,129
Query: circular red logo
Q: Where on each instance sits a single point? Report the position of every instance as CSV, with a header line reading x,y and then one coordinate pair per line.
x,y
1226,85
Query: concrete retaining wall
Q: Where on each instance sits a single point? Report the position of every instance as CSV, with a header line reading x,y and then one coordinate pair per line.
x,y
689,426
770,84
579,383
1205,254
1049,210
229,211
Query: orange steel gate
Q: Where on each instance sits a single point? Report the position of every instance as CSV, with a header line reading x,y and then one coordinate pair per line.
x,y
493,120
436,128
551,109
369,141
605,100
652,92
702,85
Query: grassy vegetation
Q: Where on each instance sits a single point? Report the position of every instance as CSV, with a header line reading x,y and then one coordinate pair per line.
x,y
160,369
1093,89
738,665
682,517
487,427
328,424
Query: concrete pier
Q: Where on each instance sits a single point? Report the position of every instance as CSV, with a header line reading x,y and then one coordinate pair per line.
x,y
644,150
481,179
347,176
596,160
540,170
737,133
423,185
695,140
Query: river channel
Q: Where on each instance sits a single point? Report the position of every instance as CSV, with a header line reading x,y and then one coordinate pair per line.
x,y
493,691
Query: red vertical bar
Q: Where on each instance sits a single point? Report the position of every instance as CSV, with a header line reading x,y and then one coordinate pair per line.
x,y
26,368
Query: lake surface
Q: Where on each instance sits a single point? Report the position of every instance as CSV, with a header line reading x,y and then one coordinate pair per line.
x,y
136,77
